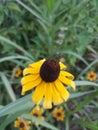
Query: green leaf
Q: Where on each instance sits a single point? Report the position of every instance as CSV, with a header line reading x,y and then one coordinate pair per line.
x,y
85,83
67,122
52,5
30,10
7,41
86,124
1,106
24,103
1,18
76,55
79,94
10,58
43,123
8,87
87,68
14,7
85,102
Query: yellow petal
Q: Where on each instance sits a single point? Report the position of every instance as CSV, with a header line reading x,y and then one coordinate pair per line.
x,y
67,74
16,124
67,81
37,64
41,117
48,97
39,93
30,70
62,66
30,85
29,78
62,90
57,99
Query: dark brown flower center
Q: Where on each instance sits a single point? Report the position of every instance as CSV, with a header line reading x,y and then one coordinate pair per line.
x,y
59,114
91,75
35,114
50,70
22,125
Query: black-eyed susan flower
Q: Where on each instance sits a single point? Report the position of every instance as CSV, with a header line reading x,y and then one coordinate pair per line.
x,y
17,72
92,76
37,112
22,124
58,114
48,79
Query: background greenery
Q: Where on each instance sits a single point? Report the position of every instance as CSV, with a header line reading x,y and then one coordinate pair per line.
x,y
63,29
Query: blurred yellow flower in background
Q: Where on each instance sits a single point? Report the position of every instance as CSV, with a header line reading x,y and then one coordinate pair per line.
x,y
92,76
37,112
58,114
17,72
22,124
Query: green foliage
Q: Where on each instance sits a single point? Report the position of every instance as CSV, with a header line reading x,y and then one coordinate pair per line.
x,y
62,29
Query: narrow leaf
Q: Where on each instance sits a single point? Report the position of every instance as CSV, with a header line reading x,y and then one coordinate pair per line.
x,y
8,87
89,125
8,58
43,123
20,104
7,41
87,83
85,102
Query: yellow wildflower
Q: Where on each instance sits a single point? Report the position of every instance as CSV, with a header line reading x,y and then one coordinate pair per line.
x,y
48,78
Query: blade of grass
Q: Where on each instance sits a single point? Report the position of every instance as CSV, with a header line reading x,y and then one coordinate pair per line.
x,y
39,19
76,55
8,58
87,68
7,41
85,102
8,87
89,125
21,64
95,103
20,104
43,123
31,10
87,83
79,94
34,5
67,123
44,27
